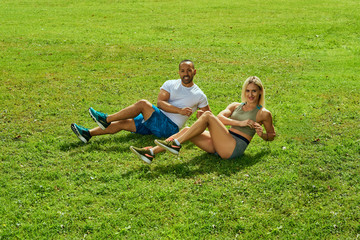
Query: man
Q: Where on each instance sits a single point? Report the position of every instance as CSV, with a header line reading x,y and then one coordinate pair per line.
x,y
177,100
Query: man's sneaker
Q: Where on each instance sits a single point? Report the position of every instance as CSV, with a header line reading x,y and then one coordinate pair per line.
x,y
99,118
169,144
143,153
82,133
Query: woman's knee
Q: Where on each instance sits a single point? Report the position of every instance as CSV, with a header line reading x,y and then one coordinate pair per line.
x,y
207,115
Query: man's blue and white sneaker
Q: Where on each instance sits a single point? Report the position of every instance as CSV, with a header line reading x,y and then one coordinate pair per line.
x,y
82,133
99,118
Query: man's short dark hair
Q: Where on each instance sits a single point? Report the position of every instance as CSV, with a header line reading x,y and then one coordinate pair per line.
x,y
187,60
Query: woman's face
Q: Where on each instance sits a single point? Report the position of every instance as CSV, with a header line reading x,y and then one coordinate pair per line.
x,y
252,93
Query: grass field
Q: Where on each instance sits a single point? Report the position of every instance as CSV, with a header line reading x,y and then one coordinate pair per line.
x,y
58,58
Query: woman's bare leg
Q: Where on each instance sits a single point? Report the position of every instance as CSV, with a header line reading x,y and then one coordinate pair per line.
x,y
222,141
203,141
158,149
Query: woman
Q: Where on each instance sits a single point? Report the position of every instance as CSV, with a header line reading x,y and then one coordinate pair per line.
x,y
245,119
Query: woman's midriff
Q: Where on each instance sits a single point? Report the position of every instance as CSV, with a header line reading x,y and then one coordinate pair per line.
x,y
241,133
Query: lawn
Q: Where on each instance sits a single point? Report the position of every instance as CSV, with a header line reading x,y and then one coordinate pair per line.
x,y
58,58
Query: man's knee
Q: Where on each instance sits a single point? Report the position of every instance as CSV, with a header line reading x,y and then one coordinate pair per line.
x,y
143,103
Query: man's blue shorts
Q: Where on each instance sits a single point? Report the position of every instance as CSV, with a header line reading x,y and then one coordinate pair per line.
x,y
158,124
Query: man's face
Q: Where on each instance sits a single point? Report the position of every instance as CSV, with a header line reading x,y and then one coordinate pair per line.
x,y
187,73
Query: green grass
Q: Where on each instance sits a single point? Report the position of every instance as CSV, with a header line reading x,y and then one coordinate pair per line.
x,y
57,58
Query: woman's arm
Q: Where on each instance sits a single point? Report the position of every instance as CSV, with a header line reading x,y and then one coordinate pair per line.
x,y
269,127
224,117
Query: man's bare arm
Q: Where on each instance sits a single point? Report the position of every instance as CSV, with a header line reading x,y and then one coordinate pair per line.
x,y
163,103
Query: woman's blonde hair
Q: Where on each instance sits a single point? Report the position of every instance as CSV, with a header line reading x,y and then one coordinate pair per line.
x,y
258,83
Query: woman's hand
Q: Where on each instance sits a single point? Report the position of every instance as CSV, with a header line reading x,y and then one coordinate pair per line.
x,y
259,130
248,123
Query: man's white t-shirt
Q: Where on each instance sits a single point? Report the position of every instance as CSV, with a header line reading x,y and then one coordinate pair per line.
x,y
181,97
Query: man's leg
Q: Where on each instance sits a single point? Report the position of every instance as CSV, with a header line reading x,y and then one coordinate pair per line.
x,y
143,106
117,126
103,120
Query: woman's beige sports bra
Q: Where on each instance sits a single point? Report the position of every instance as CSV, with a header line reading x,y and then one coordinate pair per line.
x,y
241,115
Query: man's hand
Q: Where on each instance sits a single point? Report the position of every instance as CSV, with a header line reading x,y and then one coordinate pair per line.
x,y
186,111
199,113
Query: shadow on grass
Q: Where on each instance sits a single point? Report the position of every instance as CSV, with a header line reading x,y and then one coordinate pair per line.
x,y
203,164
182,168
109,143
